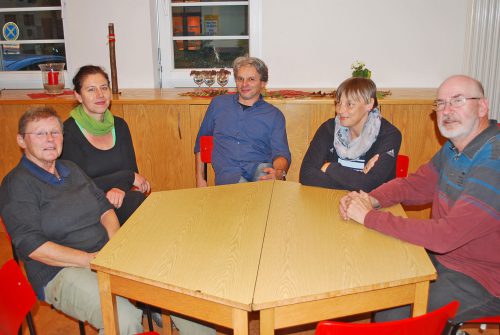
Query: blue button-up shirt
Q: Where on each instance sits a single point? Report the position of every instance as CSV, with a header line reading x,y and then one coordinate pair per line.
x,y
243,138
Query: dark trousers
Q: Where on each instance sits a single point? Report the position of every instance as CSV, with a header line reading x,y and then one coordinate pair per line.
x,y
475,300
131,201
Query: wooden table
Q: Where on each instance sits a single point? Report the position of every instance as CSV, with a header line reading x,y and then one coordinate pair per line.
x,y
316,266
280,248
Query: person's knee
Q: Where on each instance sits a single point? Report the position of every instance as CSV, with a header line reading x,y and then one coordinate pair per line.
x,y
129,317
188,327
75,292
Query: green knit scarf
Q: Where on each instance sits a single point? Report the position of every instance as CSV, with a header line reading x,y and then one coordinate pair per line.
x,y
90,124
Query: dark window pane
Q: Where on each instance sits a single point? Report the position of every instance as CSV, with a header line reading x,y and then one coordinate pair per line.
x,y
26,57
210,21
29,3
208,53
45,25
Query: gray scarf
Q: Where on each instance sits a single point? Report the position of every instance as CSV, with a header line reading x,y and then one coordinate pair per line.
x,y
353,149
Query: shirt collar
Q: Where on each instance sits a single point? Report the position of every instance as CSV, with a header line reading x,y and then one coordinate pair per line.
x,y
478,142
43,175
257,103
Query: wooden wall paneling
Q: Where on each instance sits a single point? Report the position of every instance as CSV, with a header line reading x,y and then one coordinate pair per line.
x,y
162,141
421,140
319,114
63,109
10,153
117,110
297,119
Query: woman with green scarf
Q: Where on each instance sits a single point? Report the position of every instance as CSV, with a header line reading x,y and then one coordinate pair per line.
x,y
101,144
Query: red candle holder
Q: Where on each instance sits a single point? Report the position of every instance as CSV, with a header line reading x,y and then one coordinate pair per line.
x,y
53,77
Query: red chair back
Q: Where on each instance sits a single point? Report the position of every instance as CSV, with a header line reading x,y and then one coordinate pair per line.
x,y
431,323
488,319
16,298
206,146
402,163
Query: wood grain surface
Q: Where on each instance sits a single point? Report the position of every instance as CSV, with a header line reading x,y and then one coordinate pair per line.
x,y
310,253
202,242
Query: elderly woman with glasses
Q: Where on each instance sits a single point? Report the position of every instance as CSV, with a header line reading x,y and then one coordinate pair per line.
x,y
356,150
58,220
101,144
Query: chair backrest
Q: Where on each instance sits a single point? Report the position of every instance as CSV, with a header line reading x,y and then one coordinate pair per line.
x,y
206,146
16,298
431,323
14,254
488,319
402,163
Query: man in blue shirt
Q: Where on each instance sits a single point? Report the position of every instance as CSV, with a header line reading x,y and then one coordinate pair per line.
x,y
250,141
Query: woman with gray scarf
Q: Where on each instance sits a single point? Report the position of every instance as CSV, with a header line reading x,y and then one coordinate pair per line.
x,y
357,149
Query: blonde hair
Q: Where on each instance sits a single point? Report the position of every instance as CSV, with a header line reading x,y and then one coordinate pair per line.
x,y
358,87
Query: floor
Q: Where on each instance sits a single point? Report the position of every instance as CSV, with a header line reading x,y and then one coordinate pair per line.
x,y
51,322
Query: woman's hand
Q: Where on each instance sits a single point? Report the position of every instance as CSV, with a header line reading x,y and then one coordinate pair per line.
x,y
115,197
141,184
200,182
370,164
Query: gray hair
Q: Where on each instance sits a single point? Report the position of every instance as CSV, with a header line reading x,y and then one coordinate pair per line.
x,y
257,63
35,114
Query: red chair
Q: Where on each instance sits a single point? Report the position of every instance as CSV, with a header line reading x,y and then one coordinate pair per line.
x,y
16,298
206,147
481,321
402,163
27,314
432,323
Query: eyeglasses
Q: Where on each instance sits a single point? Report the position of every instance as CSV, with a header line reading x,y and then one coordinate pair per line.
x,y
348,104
454,102
43,134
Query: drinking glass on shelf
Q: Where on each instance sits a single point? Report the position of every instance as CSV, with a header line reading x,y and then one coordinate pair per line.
x,y
223,77
209,77
198,77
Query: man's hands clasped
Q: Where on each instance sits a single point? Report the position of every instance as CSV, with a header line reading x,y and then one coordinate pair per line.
x,y
355,206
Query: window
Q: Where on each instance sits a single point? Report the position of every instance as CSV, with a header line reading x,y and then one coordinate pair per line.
x,y
204,34
32,34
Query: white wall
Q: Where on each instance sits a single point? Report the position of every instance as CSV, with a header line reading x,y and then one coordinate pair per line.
x,y
405,43
305,43
86,36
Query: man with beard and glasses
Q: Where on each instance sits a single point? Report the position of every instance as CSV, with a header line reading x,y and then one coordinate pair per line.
x,y
463,183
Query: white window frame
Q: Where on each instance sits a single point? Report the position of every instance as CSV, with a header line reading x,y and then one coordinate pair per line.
x,y
27,79
168,75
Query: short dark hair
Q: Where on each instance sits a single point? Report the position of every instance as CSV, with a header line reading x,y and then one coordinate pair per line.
x,y
84,72
257,63
35,114
364,88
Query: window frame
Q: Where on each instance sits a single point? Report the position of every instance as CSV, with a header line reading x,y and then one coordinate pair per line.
x,y
171,77
27,79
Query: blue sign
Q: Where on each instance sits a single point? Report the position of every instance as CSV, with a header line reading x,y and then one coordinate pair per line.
x,y
10,31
